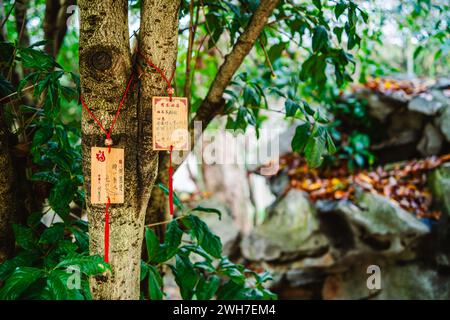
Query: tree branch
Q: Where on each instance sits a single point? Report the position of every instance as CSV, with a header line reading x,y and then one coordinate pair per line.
x,y
55,24
212,105
20,11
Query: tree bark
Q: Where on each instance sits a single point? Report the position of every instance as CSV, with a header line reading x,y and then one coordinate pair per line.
x,y
55,24
213,103
105,65
7,209
159,42
20,11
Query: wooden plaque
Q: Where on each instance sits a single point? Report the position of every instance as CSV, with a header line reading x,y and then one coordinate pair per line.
x,y
170,123
107,175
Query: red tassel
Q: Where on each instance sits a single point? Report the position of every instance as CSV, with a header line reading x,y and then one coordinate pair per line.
x,y
170,182
107,231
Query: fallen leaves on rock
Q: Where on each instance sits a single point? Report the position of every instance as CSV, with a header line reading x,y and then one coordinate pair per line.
x,y
388,85
404,183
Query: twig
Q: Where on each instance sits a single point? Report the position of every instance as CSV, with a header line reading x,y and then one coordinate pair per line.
x,y
16,93
8,14
166,221
267,59
209,30
192,30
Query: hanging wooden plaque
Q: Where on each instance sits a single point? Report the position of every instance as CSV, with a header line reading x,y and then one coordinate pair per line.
x,y
107,175
170,123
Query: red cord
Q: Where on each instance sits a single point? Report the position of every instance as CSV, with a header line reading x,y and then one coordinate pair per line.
x,y
170,182
108,136
161,72
107,231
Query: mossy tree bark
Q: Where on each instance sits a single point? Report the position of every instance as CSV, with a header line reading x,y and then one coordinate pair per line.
x,y
105,65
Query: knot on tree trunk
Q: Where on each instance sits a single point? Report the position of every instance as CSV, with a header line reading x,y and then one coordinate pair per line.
x,y
100,60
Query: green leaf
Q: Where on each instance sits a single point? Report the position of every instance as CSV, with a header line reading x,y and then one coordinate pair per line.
x,y
173,235
308,108
155,283
232,291
318,4
275,51
301,137
36,59
176,200
338,32
320,38
291,107
206,289
418,50
307,67
144,270
364,15
22,259
56,285
61,195
234,271
59,289
314,151
46,176
263,277
53,234
339,9
251,97
19,281
206,239
41,136
152,243
89,265
81,237
38,43
330,144
209,210
24,237
185,276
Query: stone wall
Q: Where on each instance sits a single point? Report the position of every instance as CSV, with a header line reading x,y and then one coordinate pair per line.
x,y
323,250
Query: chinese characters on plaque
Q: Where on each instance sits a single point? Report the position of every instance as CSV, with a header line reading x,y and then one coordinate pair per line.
x,y
107,175
170,123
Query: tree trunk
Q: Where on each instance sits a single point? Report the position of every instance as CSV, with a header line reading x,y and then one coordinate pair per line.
x,y
55,24
105,65
157,210
7,209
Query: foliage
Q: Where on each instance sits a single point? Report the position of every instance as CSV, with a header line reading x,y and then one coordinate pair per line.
x,y
194,255
50,264
305,44
47,257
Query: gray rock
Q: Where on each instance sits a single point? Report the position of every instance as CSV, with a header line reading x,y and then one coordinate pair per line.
x,y
444,123
428,103
278,184
405,127
397,282
378,221
442,83
378,108
431,142
373,225
439,181
292,231
382,218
